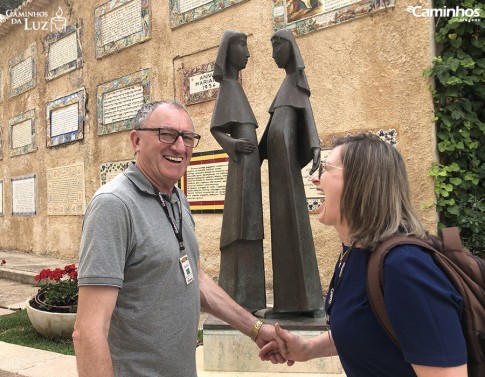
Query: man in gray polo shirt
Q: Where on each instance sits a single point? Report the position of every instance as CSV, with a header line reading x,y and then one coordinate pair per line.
x,y
140,283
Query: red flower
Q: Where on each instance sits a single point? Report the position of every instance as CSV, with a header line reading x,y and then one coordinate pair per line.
x,y
59,286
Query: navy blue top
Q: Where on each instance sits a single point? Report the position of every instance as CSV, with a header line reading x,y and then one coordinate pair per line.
x,y
422,304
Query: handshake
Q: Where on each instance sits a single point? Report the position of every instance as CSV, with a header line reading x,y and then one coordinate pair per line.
x,y
286,347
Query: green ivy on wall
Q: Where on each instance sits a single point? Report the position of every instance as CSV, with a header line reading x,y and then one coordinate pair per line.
x,y
459,101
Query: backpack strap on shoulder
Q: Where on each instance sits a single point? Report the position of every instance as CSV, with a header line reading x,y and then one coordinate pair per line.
x,y
451,239
375,279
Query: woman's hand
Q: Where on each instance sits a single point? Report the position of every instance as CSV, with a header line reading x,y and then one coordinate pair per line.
x,y
291,347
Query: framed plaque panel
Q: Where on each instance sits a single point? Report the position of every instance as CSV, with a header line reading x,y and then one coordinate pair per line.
x,y
21,134
65,190
119,24
305,16
23,195
109,170
204,183
22,72
199,85
1,197
63,51
65,119
118,101
183,11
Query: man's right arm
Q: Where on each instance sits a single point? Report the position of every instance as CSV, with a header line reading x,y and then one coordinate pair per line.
x,y
90,336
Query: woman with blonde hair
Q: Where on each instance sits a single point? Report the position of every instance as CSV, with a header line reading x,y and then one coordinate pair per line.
x,y
367,200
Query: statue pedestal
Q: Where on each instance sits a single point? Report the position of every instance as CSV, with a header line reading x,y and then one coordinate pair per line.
x,y
227,350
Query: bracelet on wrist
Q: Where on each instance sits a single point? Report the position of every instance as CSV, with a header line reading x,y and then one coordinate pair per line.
x,y
255,330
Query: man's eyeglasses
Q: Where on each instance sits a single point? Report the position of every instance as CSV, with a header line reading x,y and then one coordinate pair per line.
x,y
170,136
323,168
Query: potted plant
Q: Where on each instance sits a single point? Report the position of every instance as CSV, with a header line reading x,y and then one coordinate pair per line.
x,y
52,311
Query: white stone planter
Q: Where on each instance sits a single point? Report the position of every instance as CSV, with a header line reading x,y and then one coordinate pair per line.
x,y
51,325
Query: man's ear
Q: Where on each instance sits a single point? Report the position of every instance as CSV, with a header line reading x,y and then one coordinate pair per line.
x,y
135,141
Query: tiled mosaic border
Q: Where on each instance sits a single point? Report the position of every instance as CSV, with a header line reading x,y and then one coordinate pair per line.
x,y
55,37
30,52
177,18
32,147
13,179
78,97
206,95
389,135
326,19
111,167
115,46
141,77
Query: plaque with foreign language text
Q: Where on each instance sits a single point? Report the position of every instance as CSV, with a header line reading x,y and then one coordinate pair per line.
x,y
22,71
21,134
118,101
65,118
199,85
305,16
120,24
63,51
65,190
204,183
183,11
23,195
1,197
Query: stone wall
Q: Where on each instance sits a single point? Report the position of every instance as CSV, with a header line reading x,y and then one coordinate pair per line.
x,y
365,74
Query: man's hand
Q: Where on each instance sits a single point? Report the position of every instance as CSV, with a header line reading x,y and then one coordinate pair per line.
x,y
291,347
266,336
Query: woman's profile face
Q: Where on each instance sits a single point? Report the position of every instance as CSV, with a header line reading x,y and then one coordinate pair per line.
x,y
331,182
282,51
237,52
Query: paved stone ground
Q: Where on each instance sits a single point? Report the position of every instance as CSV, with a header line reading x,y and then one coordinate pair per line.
x,y
13,295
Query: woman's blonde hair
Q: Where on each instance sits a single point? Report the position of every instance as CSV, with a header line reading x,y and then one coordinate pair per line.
x,y
376,195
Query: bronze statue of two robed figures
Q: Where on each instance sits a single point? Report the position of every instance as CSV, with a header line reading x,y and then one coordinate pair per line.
x,y
289,142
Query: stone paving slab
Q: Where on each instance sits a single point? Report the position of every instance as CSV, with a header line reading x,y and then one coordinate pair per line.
x,y
14,294
31,362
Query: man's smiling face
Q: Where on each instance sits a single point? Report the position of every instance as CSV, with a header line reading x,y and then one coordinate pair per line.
x,y
163,164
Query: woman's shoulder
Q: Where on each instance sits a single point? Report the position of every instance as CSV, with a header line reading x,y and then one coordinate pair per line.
x,y
407,255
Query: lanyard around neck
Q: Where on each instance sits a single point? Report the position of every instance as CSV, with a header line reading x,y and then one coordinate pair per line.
x,y
177,230
334,283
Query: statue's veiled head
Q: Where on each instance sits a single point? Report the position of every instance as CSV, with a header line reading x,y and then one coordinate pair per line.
x,y
286,52
233,50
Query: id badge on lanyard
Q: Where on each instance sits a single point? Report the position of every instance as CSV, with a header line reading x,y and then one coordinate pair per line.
x,y
177,230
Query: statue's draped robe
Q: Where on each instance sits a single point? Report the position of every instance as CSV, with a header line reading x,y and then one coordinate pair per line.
x,y
242,261
287,145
